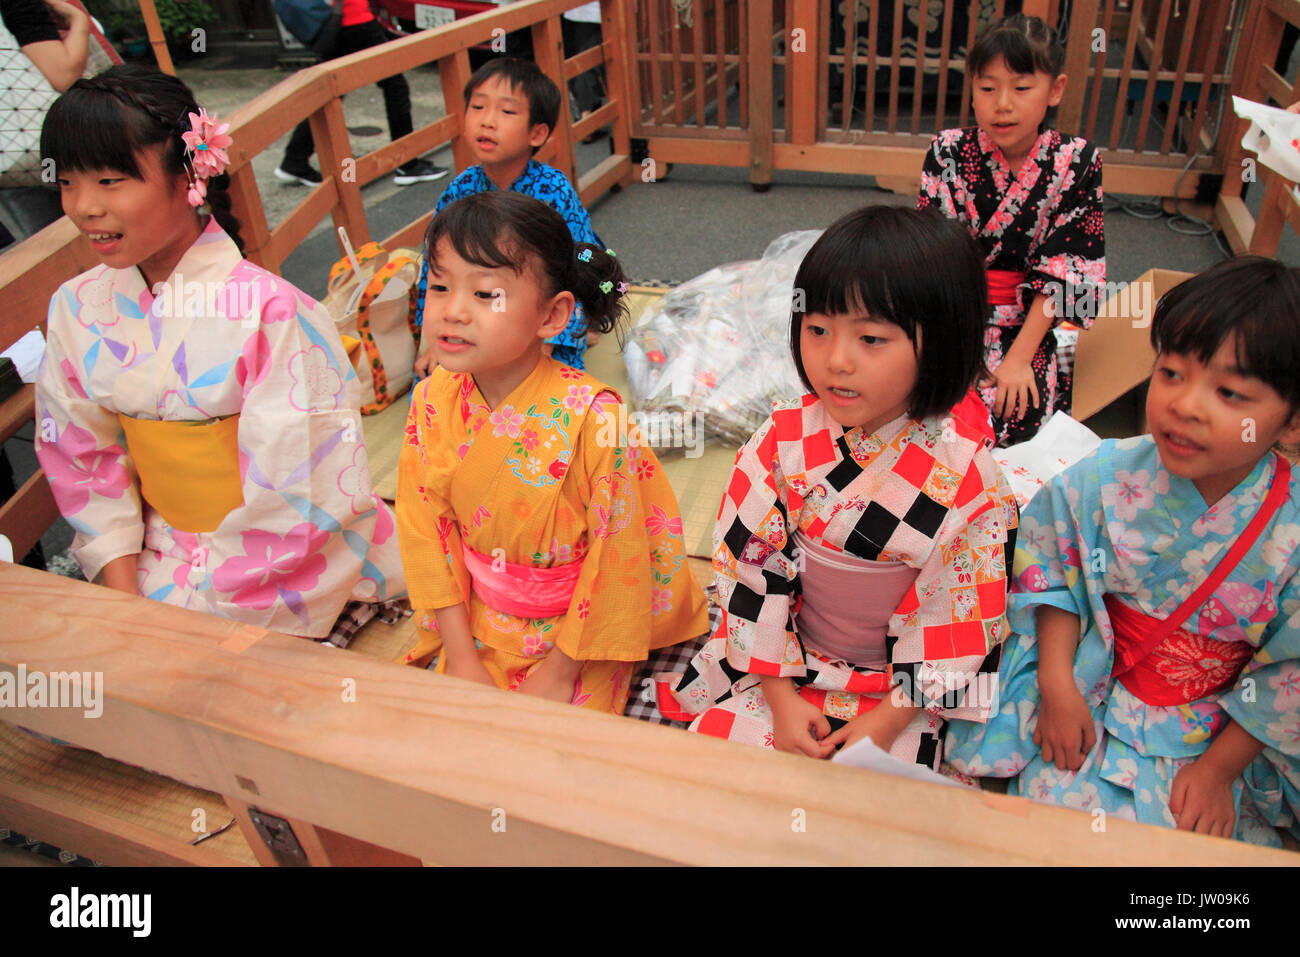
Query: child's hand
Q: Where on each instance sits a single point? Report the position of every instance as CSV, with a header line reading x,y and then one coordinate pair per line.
x,y
425,364
856,729
1201,799
1015,381
468,667
798,726
543,682
1065,730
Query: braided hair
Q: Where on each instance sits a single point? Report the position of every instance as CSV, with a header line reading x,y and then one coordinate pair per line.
x,y
103,121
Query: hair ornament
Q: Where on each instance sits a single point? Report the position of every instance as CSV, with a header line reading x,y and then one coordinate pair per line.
x,y
622,288
205,151
606,287
585,256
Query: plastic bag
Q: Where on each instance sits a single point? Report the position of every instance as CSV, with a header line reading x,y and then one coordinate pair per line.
x,y
717,348
1030,465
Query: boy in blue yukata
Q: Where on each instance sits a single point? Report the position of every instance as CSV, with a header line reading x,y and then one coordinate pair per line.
x,y
511,108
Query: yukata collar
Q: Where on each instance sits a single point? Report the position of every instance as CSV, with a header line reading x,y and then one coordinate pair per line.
x,y
864,446
211,257
987,146
527,176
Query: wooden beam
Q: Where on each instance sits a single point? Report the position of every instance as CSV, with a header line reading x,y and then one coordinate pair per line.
x,y
455,772
153,27
98,836
329,131
25,515
759,30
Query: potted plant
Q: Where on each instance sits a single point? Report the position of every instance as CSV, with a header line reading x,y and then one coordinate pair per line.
x,y
179,19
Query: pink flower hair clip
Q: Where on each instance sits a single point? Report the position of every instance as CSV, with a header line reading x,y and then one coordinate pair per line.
x,y
205,148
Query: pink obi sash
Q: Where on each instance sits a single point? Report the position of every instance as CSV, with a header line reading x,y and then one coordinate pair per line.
x,y
1004,286
521,590
1164,665
847,602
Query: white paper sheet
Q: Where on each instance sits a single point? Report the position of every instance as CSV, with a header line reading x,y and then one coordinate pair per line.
x,y
863,753
27,353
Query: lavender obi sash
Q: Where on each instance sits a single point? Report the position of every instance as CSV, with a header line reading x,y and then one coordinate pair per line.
x,y
847,602
521,590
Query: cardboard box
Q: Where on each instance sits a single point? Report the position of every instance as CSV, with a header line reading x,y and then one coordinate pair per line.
x,y
1114,358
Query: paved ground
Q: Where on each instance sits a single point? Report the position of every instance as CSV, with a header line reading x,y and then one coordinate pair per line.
x,y
696,218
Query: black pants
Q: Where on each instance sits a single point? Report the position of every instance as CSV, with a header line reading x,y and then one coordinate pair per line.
x,y
397,95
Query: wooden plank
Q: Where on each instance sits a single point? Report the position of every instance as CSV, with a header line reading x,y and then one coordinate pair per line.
x,y
548,53
945,52
153,29
607,114
1122,94
334,153
679,88
1245,70
673,149
16,411
657,64
697,58
743,13
967,80
1155,61
32,270
266,117
454,72
720,66
712,134
849,65
891,124
320,201
918,78
1094,101
25,515
760,92
1268,225
580,63
426,764
801,112
602,177
617,74
1036,8
1078,50
109,840
246,204
382,161
412,234
1176,96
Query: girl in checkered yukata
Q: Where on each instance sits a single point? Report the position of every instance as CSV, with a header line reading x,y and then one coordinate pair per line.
x,y
860,547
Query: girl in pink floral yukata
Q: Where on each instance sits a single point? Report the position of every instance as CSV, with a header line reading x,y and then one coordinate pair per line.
x,y
198,419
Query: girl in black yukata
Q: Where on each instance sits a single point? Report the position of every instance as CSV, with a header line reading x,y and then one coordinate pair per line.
x,y
1032,198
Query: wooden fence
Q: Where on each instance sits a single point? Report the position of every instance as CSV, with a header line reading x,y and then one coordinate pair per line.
x,y
775,84
1257,79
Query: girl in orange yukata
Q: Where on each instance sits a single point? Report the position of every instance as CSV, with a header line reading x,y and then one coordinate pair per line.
x,y
543,549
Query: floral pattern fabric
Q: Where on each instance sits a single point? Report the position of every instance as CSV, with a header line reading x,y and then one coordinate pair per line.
x,y
1044,220
925,493
1118,523
544,479
223,337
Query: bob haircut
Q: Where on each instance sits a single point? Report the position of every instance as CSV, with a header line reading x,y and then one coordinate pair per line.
x,y
1251,301
913,268
527,79
1026,43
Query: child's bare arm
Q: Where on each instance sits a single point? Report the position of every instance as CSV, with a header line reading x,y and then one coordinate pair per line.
x,y
458,645
119,574
553,677
1015,377
1201,795
1065,729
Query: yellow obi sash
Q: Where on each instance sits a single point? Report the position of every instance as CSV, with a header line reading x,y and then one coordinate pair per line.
x,y
189,471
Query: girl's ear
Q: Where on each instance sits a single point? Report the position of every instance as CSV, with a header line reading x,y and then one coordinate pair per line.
x,y
1057,91
557,315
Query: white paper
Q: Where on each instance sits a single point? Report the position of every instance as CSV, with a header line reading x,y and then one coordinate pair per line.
x,y
27,353
1058,445
863,753
1273,135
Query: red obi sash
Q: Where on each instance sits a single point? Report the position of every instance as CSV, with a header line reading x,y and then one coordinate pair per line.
x,y
521,590
1004,286
1164,665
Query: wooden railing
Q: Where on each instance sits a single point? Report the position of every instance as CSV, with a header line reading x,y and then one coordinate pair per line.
x,y
1256,79
380,762
712,92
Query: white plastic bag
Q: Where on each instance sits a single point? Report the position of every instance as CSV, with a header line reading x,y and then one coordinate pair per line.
x,y
1058,445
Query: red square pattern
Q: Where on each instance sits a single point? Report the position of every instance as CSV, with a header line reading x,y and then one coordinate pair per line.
x,y
818,449
958,640
914,465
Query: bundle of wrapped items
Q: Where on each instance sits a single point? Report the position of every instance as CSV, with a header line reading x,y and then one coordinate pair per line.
x,y
715,351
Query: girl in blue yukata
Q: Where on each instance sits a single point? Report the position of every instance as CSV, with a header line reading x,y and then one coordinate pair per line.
x,y
1154,672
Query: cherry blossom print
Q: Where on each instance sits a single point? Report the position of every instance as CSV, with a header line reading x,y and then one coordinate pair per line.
x,y
506,421
1134,491
273,564
660,522
95,294
1220,519
661,600
77,468
578,398
354,482
316,384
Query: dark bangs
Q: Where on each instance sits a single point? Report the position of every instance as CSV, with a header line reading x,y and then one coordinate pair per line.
x,y
1251,300
501,228
89,129
1026,43
915,269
